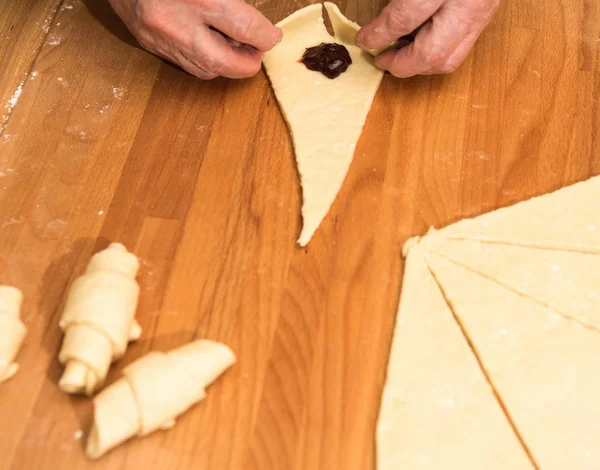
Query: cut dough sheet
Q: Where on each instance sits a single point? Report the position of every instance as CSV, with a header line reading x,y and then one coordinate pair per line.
x,y
438,411
12,330
544,367
565,219
155,390
99,319
325,117
566,281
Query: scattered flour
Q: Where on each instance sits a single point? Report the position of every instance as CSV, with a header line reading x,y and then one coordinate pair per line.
x,y
54,40
12,102
118,93
80,133
15,97
46,25
13,221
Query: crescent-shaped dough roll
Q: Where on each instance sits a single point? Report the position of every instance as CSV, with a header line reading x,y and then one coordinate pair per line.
x,y
99,319
12,330
154,391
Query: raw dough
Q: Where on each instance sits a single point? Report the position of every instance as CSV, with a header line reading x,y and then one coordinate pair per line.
x,y
567,281
566,219
543,366
325,117
438,411
12,330
99,319
156,389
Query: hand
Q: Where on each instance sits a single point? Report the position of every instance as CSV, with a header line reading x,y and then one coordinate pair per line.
x,y
442,43
187,32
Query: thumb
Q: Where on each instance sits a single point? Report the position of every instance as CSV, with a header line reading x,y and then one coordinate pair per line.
x,y
397,19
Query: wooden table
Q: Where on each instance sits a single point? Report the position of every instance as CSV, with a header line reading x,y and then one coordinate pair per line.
x,y
107,142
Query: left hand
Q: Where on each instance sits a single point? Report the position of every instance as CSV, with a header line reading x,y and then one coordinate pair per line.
x,y
191,34
442,43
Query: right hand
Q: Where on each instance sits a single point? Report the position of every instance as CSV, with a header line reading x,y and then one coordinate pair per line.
x,y
448,31
183,31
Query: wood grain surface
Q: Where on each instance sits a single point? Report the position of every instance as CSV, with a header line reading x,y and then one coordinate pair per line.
x,y
24,26
109,143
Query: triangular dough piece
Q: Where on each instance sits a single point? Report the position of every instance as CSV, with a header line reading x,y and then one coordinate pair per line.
x,y
438,411
324,116
566,281
544,367
565,219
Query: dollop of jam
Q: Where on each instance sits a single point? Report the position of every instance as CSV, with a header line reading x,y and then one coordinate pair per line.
x,y
330,59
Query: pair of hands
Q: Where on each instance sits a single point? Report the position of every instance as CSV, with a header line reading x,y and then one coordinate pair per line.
x,y
188,33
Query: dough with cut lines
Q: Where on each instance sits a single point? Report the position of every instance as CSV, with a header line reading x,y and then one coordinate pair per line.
x,y
543,365
522,285
437,410
567,219
567,281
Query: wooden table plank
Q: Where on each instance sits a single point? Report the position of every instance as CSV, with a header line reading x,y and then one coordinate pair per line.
x,y
24,26
110,143
60,165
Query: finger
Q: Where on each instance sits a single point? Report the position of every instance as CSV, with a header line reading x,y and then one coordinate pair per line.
x,y
432,47
461,52
179,59
397,19
174,56
192,68
232,41
211,52
243,23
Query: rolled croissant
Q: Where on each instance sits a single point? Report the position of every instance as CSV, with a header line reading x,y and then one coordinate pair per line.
x,y
99,319
154,391
12,330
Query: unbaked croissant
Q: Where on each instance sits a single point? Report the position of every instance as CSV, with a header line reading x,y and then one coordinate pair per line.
x,y
99,319
154,391
12,330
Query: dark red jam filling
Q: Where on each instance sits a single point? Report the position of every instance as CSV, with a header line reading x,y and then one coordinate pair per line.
x,y
328,58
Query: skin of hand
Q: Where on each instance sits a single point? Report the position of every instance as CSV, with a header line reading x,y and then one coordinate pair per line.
x,y
449,31
183,32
